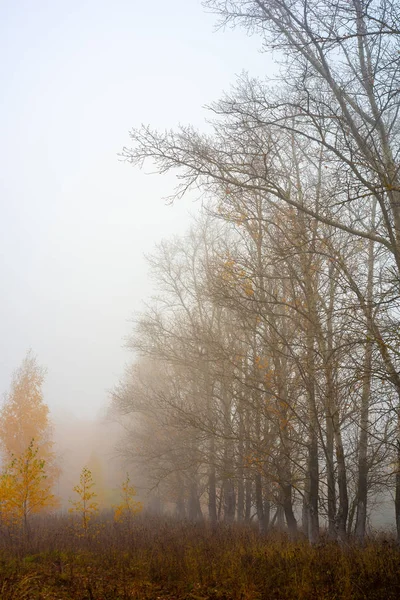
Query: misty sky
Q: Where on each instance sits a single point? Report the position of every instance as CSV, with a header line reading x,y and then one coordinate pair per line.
x,y
75,222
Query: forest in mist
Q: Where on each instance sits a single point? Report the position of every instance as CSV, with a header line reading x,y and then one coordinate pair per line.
x,y
267,376
251,449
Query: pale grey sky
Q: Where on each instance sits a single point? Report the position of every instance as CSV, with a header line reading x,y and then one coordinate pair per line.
x,y
75,222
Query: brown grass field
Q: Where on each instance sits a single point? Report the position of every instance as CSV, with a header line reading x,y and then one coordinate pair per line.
x,y
166,559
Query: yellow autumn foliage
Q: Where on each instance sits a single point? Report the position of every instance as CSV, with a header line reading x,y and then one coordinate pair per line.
x,y
25,488
25,417
128,507
86,506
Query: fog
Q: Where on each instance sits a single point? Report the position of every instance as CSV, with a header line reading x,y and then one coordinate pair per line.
x,y
76,221
200,245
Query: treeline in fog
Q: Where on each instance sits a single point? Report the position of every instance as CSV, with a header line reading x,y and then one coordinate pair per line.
x,y
267,377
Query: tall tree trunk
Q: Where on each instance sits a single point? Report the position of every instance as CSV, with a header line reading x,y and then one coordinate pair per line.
x,y
280,516
313,472
309,272
248,500
248,482
397,492
259,502
287,503
343,508
362,484
212,491
304,515
229,500
194,508
350,520
313,465
285,473
240,470
267,511
180,510
330,404
228,485
330,477
240,498
397,489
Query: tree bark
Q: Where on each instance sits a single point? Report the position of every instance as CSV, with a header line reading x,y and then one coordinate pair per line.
x,y
362,484
212,491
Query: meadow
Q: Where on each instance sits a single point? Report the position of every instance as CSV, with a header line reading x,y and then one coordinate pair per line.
x,y
161,558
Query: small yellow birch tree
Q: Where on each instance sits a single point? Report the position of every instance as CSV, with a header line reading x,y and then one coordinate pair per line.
x,y
86,506
24,489
24,417
125,511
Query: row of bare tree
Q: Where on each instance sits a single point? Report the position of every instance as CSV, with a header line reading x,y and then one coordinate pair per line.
x,y
268,374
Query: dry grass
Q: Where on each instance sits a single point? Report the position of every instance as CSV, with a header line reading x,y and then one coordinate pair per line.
x,y
165,559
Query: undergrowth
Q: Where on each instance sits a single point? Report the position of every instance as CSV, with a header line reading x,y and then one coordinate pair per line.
x,y
166,559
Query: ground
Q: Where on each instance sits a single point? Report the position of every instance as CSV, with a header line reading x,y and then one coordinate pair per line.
x,y
164,559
